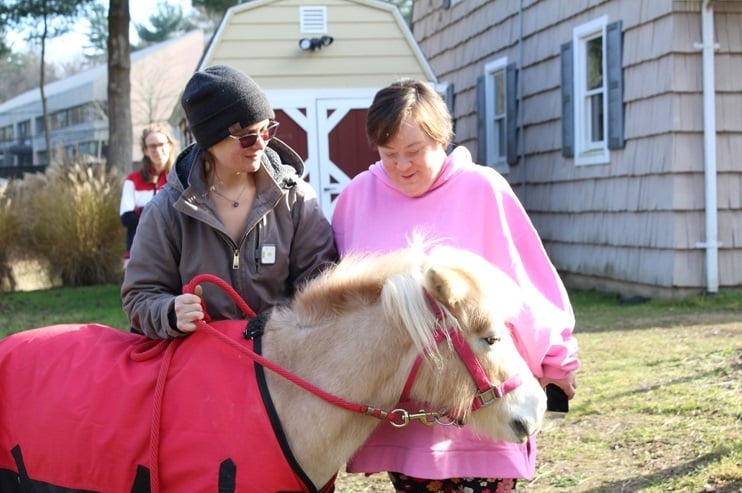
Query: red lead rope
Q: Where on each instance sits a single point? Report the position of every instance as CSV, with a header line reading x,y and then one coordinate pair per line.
x,y
204,325
218,281
487,393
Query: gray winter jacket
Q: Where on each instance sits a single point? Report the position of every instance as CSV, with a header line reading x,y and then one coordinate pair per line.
x,y
287,242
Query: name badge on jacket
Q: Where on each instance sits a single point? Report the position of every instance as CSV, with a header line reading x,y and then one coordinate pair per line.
x,y
268,254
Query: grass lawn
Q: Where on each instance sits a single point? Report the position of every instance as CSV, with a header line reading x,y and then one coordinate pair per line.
x,y
25,310
658,408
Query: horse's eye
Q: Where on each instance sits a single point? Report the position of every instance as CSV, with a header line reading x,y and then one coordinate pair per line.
x,y
491,340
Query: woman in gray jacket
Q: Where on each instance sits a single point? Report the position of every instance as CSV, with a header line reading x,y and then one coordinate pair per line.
x,y
235,206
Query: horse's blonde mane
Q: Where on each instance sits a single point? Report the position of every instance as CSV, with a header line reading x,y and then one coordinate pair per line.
x,y
357,280
396,280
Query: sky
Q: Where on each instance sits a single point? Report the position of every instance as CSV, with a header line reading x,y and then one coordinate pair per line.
x,y
59,48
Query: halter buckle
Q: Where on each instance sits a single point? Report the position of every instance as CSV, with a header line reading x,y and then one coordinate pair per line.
x,y
488,396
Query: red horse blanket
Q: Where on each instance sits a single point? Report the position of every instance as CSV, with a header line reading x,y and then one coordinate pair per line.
x,y
91,408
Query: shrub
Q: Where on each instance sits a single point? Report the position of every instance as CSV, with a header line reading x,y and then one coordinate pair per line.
x,y
70,222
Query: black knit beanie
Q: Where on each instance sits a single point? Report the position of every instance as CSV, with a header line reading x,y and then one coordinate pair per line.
x,y
217,98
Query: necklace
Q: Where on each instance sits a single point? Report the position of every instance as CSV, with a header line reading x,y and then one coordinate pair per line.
x,y
235,201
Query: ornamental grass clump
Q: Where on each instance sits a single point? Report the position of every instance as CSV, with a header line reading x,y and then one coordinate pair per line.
x,y
9,233
70,223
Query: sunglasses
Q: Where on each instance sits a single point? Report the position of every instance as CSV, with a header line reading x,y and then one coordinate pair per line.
x,y
266,134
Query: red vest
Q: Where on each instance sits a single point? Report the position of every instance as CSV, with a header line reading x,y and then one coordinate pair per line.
x,y
81,407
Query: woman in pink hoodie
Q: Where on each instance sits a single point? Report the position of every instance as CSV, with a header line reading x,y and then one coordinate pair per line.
x,y
416,186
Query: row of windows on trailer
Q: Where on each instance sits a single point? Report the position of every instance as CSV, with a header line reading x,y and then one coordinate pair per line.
x,y
93,150
84,113
16,150
592,99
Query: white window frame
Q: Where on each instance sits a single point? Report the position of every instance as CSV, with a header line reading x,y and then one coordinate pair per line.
x,y
496,157
586,151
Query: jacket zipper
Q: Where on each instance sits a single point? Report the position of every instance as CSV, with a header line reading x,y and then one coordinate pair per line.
x,y
257,246
236,259
236,251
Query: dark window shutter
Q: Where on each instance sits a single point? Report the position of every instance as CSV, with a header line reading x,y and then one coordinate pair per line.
x,y
511,98
568,111
481,129
614,56
449,97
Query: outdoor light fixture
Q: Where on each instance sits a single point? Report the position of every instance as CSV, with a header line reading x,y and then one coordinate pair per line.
x,y
315,44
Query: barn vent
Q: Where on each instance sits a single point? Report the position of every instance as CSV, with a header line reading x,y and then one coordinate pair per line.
x,y
313,19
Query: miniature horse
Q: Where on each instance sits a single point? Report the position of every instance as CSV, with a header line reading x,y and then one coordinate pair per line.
x,y
92,408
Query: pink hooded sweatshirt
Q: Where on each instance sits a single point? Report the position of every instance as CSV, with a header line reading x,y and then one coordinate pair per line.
x,y
471,207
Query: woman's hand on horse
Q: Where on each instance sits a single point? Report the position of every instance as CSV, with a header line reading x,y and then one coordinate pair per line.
x,y
568,383
189,310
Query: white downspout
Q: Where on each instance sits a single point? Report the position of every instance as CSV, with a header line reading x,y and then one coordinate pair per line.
x,y
709,147
522,133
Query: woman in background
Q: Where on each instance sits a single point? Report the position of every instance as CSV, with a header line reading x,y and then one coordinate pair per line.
x,y
159,150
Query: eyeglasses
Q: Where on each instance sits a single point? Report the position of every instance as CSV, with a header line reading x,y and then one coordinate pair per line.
x,y
158,145
266,134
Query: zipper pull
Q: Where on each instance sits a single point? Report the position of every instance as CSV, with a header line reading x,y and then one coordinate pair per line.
x,y
236,260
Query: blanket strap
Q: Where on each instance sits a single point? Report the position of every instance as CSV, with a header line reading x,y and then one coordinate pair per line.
x,y
154,441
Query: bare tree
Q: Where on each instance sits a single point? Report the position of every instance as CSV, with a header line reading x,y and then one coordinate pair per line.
x,y
152,101
20,73
119,86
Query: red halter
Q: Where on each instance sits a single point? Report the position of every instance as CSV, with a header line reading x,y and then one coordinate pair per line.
x,y
487,392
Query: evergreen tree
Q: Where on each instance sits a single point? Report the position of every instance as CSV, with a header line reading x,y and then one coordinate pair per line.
x,y
97,32
4,48
405,8
214,7
166,22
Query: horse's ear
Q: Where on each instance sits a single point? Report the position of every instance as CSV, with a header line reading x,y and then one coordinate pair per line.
x,y
446,285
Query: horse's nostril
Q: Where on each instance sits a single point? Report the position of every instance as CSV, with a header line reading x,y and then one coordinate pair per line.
x,y
521,428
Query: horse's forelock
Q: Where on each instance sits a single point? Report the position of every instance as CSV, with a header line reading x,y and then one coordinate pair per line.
x,y
406,306
395,279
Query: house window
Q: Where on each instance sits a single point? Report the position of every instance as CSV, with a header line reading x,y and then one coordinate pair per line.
x,y
497,105
6,133
60,119
42,158
592,92
594,100
24,129
78,114
495,112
